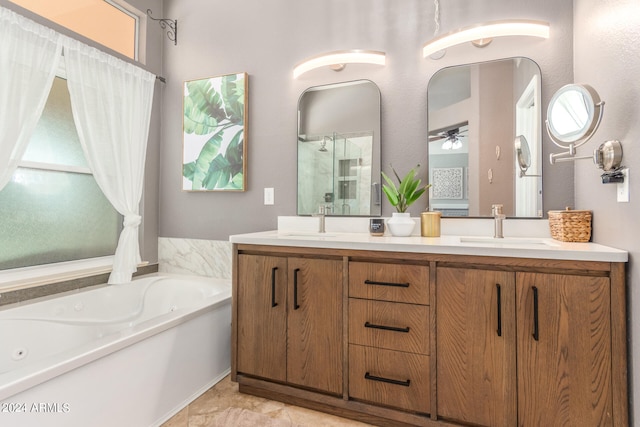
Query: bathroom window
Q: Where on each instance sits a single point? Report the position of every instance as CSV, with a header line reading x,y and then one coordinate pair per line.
x,y
112,23
52,210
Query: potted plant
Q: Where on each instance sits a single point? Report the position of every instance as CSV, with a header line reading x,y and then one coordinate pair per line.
x,y
408,190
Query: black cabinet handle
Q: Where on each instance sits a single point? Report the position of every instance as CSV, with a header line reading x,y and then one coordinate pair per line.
x,y
273,287
368,376
295,289
536,331
373,282
499,304
386,328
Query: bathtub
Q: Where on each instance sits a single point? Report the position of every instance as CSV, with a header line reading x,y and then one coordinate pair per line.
x,y
120,355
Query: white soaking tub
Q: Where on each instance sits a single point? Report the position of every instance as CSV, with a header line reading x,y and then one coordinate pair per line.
x,y
119,355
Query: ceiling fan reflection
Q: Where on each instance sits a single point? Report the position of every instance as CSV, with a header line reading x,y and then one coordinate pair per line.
x,y
452,138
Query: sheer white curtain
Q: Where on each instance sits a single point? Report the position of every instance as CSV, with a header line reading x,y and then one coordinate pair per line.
x,y
111,102
29,57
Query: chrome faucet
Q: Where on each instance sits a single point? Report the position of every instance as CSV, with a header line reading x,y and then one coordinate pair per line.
x,y
320,215
498,216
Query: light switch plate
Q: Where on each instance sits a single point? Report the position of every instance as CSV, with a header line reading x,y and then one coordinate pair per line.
x,y
623,187
269,196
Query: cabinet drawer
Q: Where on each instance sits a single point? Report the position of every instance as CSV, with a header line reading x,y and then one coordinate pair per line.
x,y
389,282
390,325
388,377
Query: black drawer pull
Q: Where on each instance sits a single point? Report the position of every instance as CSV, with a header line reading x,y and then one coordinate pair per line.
x,y
386,328
373,282
368,376
273,287
499,304
295,289
536,329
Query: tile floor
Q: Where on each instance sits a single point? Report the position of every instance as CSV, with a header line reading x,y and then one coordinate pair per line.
x,y
225,394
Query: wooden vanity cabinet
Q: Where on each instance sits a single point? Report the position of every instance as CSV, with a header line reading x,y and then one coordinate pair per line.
x,y
411,339
289,320
524,348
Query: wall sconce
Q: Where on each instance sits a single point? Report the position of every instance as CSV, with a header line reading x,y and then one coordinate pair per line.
x,y
482,34
338,59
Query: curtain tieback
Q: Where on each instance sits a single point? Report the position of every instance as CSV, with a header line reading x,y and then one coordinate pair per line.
x,y
132,220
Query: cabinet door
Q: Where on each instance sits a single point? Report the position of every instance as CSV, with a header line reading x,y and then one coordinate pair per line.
x,y
476,359
564,350
314,340
262,316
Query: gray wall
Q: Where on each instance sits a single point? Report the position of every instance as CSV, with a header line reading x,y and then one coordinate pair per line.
x,y
607,56
267,39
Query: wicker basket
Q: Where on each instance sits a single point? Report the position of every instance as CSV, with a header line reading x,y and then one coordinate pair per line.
x,y
570,225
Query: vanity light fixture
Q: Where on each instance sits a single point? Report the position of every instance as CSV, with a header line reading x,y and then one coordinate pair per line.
x,y
482,34
338,59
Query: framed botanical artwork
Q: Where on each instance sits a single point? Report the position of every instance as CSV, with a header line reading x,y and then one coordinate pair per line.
x,y
214,132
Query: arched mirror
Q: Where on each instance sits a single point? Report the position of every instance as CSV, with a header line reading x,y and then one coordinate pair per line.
x,y
339,150
475,112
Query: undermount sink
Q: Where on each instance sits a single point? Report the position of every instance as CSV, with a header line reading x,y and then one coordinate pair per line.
x,y
507,240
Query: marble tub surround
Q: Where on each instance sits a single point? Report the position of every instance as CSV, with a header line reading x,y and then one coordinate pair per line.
x,y
210,258
301,233
203,411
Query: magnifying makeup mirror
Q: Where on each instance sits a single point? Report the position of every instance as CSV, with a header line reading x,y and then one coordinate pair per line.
x,y
523,155
573,116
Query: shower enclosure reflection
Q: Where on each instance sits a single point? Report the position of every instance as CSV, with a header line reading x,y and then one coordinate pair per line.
x,y
334,172
339,149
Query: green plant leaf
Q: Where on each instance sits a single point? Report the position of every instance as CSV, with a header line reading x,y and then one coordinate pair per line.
x,y
199,169
218,174
406,182
238,181
232,90
415,196
189,170
411,188
203,108
226,171
391,195
234,153
390,183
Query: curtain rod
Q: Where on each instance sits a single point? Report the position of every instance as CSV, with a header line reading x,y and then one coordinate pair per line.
x,y
162,79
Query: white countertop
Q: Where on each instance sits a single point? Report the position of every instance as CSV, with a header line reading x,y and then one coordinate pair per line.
x,y
516,247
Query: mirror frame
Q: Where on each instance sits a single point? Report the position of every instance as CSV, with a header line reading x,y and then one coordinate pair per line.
x,y
595,109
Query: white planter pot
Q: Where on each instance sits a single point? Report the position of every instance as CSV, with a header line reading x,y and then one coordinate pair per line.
x,y
400,224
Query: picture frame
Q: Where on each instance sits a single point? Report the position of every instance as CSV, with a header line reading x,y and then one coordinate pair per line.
x,y
214,130
447,183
